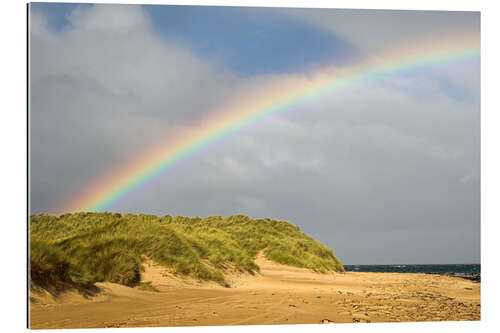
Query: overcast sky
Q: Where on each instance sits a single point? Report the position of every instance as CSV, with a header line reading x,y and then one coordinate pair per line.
x,y
387,172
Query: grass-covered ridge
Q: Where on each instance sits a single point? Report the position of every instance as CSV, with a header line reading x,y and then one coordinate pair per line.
x,y
84,248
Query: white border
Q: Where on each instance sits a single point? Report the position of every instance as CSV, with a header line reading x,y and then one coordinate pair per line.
x,y
13,163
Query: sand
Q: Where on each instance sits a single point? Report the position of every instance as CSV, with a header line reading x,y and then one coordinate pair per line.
x,y
278,295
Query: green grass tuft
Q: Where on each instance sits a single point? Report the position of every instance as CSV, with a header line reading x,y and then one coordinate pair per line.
x,y
84,248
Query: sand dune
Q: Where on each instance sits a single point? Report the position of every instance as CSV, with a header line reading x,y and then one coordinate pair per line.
x,y
278,295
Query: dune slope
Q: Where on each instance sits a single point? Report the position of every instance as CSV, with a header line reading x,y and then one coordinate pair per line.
x,y
85,248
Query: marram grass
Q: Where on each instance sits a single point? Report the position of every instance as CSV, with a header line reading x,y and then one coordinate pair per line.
x,y
84,248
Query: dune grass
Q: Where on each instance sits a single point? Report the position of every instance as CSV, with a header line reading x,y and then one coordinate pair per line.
x,y
84,248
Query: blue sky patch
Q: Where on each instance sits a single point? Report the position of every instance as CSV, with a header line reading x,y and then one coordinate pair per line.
x,y
250,40
56,13
246,40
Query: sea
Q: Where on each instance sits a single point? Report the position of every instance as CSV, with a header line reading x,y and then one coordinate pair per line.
x,y
466,271
430,269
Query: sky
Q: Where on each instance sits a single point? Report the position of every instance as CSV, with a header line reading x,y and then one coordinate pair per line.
x,y
387,172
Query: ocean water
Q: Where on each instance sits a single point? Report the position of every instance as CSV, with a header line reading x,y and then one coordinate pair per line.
x,y
431,269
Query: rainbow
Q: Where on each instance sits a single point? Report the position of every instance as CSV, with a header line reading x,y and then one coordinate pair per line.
x,y
276,96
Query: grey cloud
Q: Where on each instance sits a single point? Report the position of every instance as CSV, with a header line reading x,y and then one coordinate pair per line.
x,y
390,165
375,30
105,89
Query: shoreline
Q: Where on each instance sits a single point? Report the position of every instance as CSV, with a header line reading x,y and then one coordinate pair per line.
x,y
465,271
474,277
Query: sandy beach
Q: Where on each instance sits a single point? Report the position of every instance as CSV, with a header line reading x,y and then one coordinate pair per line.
x,y
278,295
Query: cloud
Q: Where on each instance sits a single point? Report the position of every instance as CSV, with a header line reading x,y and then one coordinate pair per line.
x,y
377,30
376,158
104,89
